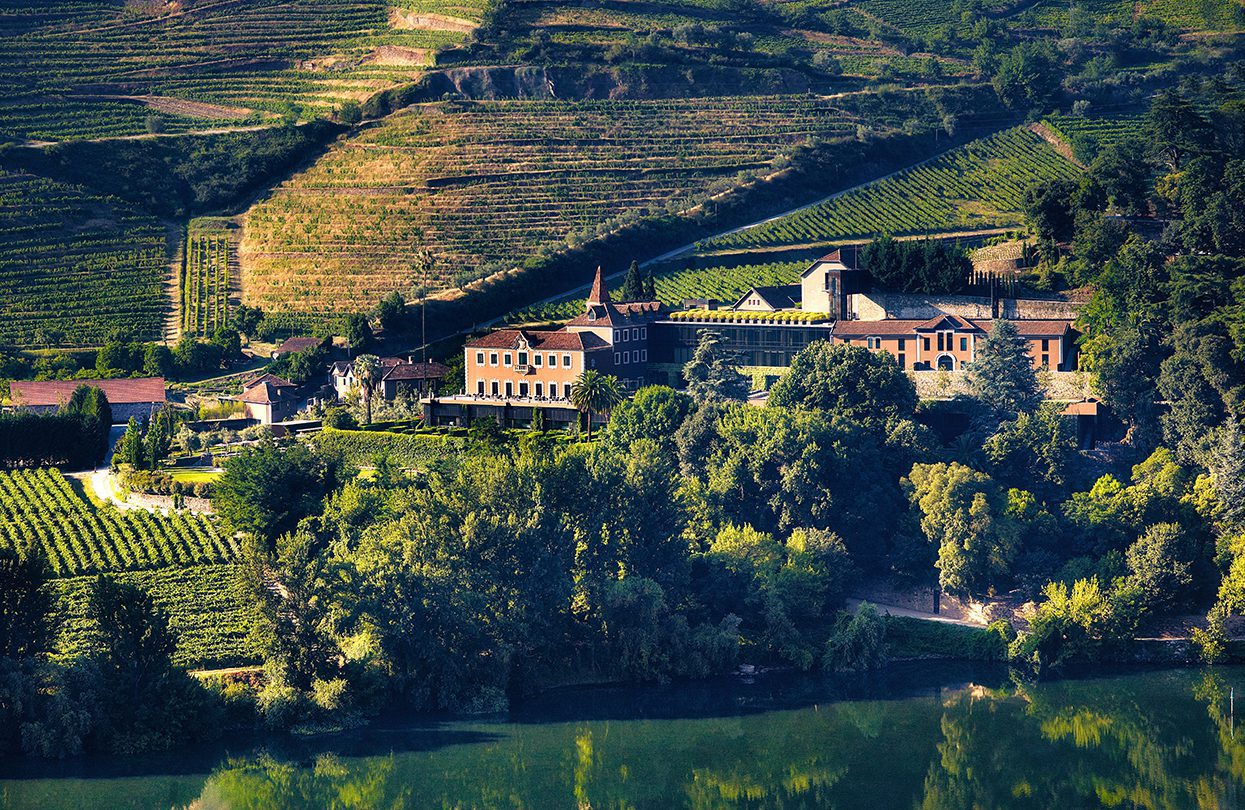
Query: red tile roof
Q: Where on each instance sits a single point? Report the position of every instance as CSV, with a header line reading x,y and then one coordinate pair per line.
x,y
140,391
560,340
1033,329
944,322
896,327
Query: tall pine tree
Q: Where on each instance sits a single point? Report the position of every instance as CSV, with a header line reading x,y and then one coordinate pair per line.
x,y
650,287
1002,376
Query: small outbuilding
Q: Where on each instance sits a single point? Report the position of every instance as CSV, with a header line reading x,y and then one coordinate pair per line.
x,y
269,399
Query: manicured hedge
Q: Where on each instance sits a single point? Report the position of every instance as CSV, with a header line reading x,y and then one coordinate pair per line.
x,y
361,447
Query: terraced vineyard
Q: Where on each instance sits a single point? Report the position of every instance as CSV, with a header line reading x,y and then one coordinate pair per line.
x,y
206,276
1192,15
1087,135
487,183
96,68
40,507
205,606
977,186
912,16
722,283
76,265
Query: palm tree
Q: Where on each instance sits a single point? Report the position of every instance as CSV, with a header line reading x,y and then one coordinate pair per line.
x,y
595,392
366,370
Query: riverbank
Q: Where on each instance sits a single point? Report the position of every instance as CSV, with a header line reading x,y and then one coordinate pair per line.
x,y
914,735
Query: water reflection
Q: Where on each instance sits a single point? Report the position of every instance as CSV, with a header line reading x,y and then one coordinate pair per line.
x,y
1147,740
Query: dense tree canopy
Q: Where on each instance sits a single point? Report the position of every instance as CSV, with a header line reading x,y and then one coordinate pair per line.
x,y
851,381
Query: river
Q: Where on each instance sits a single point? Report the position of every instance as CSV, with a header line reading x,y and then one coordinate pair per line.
x,y
919,736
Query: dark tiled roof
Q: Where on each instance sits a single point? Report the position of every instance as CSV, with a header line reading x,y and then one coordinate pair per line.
x,y
782,296
894,328
298,344
625,314
271,379
57,392
416,371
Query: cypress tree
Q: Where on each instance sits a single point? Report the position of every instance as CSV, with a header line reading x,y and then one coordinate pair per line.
x,y
633,285
650,287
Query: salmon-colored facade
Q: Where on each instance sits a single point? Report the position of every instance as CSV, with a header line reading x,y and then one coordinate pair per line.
x,y
542,364
950,342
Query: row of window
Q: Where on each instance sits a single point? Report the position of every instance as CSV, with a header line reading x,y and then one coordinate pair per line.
x,y
634,333
537,390
633,356
539,360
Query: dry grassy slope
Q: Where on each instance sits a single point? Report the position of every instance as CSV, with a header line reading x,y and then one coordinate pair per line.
x,y
488,183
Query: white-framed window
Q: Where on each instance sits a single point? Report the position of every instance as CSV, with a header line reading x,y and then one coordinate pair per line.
x,y
643,355
537,359
494,388
479,388
479,358
617,336
566,361
523,389
492,358
566,388
635,333
617,358
509,389
635,356
523,358
643,333
540,390
507,359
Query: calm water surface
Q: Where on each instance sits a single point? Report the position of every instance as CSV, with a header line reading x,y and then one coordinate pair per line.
x,y
924,737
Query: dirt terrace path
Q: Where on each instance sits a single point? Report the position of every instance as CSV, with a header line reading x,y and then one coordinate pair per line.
x,y
1057,143
892,610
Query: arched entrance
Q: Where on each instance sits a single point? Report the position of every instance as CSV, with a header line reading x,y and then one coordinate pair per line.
x,y
946,362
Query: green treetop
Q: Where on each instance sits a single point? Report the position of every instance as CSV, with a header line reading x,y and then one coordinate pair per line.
x,y
1002,377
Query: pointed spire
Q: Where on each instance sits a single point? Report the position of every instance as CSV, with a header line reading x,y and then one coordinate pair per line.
x,y
599,294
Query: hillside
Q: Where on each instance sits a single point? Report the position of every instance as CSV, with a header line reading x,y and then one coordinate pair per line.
x,y
508,135
181,559
100,68
977,186
75,265
485,185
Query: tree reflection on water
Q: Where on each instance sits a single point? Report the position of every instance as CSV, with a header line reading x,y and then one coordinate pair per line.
x,y
1158,739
